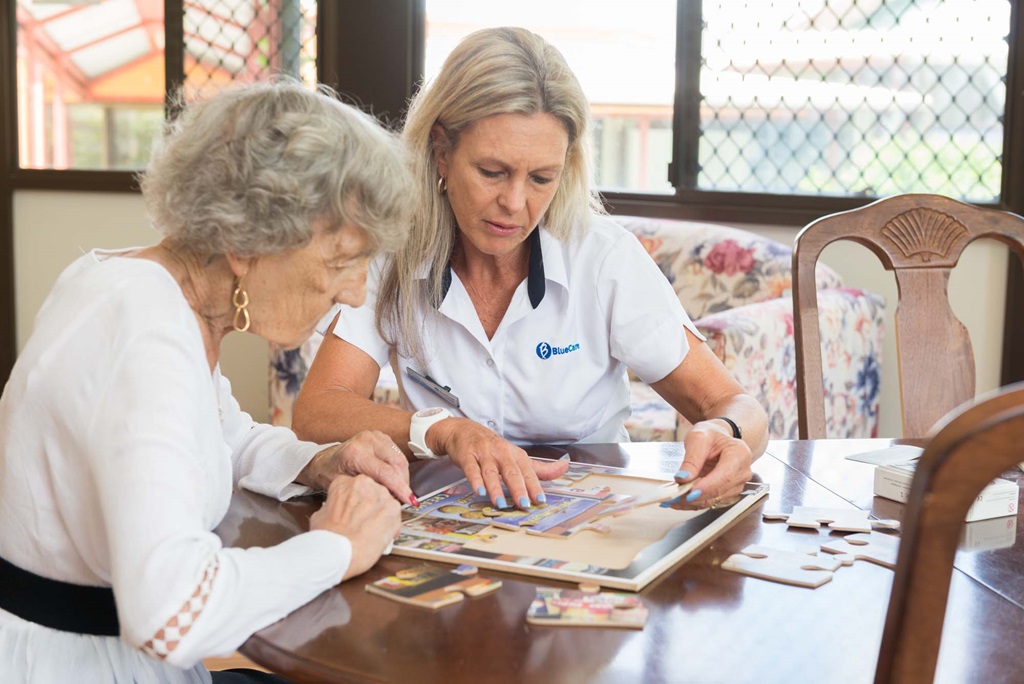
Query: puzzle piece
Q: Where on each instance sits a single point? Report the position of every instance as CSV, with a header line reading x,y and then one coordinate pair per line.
x,y
670,491
567,488
586,607
874,546
574,473
432,587
781,565
842,519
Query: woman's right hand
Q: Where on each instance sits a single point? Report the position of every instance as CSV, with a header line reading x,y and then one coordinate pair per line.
x,y
488,460
365,512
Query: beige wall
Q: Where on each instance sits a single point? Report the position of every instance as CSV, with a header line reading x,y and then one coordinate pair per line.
x,y
52,228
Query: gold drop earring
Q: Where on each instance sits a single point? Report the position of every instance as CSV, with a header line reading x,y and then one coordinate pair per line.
x,y
240,299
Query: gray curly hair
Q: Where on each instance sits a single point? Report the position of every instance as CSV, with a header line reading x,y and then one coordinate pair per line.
x,y
254,168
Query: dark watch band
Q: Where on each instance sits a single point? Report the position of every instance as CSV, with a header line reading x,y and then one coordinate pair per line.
x,y
736,432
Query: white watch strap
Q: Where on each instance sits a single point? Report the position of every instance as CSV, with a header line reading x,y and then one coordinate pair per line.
x,y
418,426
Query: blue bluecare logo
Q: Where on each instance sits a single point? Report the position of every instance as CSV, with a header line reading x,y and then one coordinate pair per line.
x,y
546,351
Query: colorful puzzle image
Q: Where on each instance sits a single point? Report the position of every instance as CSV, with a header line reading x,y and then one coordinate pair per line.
x,y
576,608
568,510
450,529
597,524
429,586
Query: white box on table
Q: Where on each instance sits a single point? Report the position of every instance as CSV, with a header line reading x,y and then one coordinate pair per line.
x,y
996,500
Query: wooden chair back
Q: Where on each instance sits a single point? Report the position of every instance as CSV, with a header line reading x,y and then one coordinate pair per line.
x,y
972,446
919,237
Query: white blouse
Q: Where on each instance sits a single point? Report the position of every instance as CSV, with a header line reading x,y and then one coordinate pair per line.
x,y
119,452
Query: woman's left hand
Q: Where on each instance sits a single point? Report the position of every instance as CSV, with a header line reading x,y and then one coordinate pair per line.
x,y
716,463
370,453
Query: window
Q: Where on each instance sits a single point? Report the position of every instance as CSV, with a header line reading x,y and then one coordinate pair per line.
x,y
90,83
812,98
854,97
226,40
90,73
623,55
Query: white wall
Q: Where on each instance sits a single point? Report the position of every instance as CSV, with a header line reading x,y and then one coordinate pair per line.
x,y
51,229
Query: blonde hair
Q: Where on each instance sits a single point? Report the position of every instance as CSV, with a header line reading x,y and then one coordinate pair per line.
x,y
492,71
253,168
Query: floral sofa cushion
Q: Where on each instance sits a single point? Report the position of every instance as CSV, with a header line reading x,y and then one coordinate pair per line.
x,y
756,344
736,287
714,268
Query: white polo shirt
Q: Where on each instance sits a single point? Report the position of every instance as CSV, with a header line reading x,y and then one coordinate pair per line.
x,y
555,370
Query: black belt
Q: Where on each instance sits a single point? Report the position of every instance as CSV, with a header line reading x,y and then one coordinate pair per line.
x,y
58,605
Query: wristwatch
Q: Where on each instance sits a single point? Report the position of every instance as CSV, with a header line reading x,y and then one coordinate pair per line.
x,y
421,422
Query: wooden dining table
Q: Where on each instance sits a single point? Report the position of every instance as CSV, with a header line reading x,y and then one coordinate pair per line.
x,y
705,624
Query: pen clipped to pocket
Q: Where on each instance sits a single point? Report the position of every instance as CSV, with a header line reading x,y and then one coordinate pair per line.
x,y
442,391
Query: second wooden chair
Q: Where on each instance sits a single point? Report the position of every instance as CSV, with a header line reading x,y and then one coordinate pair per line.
x,y
972,446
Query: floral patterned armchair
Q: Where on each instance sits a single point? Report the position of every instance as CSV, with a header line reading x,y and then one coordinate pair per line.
x,y
736,287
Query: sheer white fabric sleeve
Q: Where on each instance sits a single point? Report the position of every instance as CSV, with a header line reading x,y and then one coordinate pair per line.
x,y
266,458
163,468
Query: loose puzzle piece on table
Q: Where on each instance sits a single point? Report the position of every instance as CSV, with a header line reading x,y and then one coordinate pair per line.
x,y
841,519
566,488
429,586
781,565
671,491
586,608
874,546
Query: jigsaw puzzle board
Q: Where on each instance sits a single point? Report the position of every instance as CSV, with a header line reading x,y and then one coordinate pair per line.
x,y
567,539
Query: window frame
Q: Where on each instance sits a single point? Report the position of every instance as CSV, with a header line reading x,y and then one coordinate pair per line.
x,y
390,34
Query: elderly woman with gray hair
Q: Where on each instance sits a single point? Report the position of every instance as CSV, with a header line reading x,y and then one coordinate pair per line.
x,y
515,308
120,442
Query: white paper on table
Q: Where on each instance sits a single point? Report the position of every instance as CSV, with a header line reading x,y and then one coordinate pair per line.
x,y
893,455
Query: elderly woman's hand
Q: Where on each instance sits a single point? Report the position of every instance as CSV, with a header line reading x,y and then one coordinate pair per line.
x,y
364,512
368,453
716,463
488,460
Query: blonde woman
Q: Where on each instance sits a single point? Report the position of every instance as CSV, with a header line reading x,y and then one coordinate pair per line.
x,y
515,308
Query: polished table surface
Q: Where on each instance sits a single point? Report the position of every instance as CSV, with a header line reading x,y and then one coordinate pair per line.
x,y
705,624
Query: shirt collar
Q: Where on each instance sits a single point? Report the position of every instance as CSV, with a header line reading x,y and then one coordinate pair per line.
x,y
545,264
